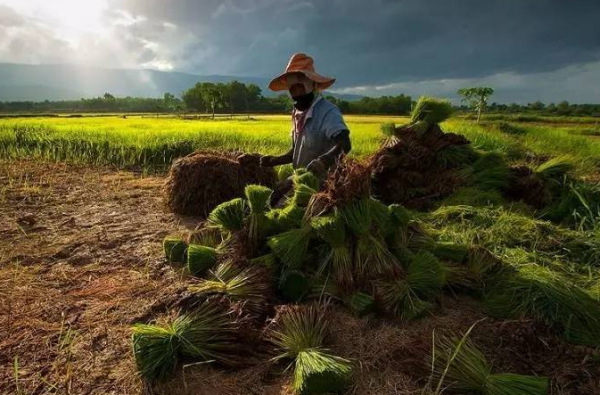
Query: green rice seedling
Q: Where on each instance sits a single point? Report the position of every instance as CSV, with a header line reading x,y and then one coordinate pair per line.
x,y
371,255
206,236
539,292
284,172
267,260
382,218
175,249
300,336
426,275
294,285
556,168
398,299
288,217
481,264
408,297
388,129
156,351
302,195
460,366
200,259
291,246
431,110
306,178
472,196
247,286
204,336
338,259
258,223
399,215
229,216
509,128
490,171
318,372
360,304
451,251
398,236
456,156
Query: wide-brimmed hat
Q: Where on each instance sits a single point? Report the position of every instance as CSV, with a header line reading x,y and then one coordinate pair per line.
x,y
301,63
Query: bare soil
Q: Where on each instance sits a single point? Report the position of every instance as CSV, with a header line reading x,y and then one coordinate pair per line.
x,y
81,260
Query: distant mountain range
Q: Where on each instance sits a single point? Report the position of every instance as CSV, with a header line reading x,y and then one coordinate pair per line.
x,y
23,82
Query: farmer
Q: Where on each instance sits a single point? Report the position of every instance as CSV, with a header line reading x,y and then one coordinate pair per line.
x,y
319,134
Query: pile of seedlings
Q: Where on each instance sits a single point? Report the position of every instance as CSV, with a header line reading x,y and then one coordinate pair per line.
x,y
420,163
200,181
261,277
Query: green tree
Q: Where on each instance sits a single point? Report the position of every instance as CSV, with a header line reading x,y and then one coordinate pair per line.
x,y
193,98
212,95
477,97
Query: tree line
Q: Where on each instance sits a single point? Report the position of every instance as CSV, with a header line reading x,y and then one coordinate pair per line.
x,y
211,98
236,97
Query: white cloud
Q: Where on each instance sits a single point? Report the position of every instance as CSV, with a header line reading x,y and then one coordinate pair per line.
x,y
575,84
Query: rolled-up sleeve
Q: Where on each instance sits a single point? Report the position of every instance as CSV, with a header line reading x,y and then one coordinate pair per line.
x,y
333,123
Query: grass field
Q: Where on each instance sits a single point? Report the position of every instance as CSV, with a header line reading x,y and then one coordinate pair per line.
x,y
152,143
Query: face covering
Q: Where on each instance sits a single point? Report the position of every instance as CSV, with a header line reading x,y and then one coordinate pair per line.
x,y
303,102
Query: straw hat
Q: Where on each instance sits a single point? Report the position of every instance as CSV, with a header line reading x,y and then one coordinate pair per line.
x,y
301,63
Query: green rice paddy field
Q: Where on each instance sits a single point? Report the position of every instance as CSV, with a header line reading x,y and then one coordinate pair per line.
x,y
152,143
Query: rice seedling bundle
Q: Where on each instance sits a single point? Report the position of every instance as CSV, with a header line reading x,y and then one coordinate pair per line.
x,y
306,178
175,249
409,297
537,291
338,260
481,263
361,304
205,235
302,195
294,285
371,256
488,172
555,168
460,366
317,372
398,299
426,275
382,218
200,258
247,286
288,217
229,216
431,110
267,260
258,223
291,246
299,335
206,335
451,251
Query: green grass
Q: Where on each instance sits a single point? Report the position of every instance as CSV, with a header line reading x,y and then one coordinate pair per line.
x,y
152,143
155,142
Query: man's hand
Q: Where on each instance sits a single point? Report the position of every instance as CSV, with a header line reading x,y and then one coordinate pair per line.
x,y
317,167
267,161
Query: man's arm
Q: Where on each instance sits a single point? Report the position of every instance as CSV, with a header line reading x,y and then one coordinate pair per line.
x,y
270,161
342,146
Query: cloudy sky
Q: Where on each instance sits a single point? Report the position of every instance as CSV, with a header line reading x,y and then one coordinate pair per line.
x,y
527,50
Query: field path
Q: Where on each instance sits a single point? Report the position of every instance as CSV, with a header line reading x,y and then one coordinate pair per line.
x,y
80,261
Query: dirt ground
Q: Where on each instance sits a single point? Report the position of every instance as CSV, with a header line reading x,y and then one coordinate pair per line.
x,y
81,260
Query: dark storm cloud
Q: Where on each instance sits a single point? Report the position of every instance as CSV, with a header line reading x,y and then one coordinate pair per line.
x,y
377,42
